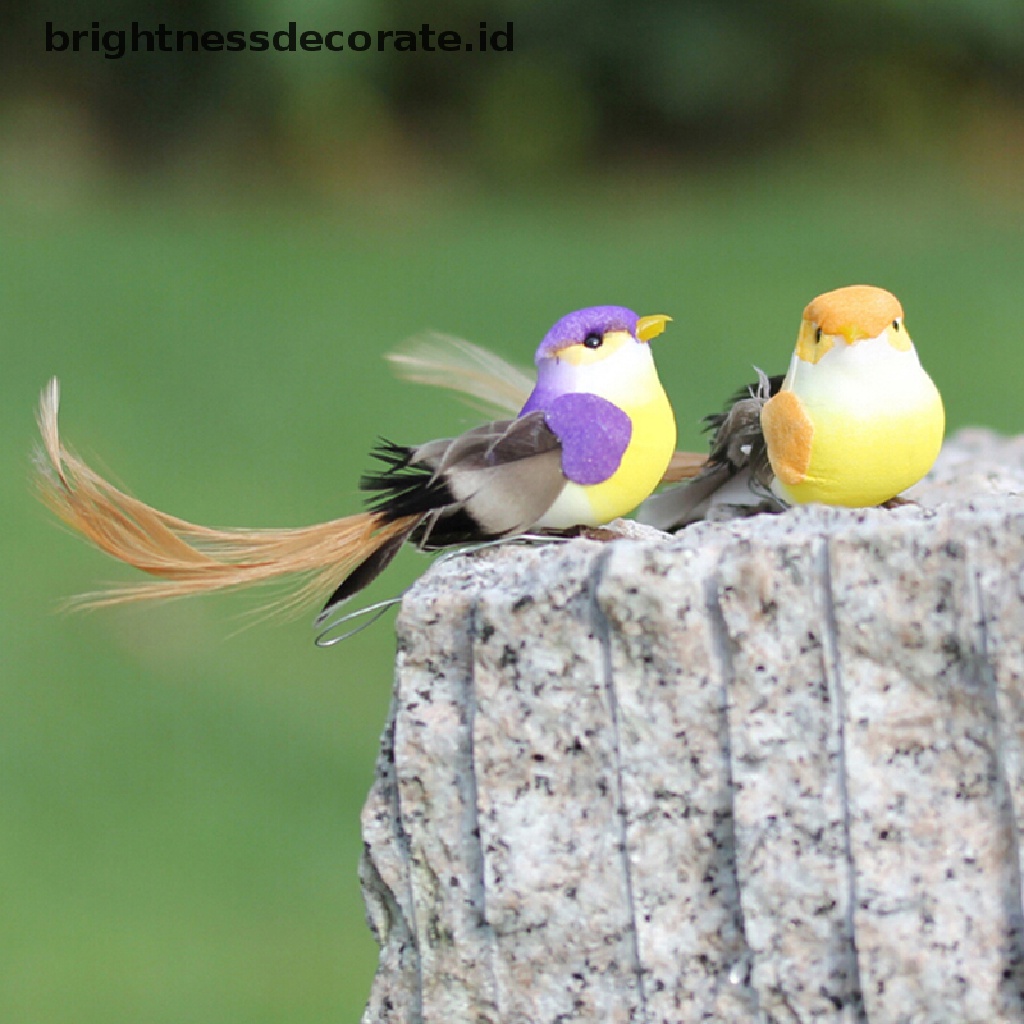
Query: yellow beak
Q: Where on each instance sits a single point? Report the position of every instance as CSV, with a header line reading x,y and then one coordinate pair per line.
x,y
648,327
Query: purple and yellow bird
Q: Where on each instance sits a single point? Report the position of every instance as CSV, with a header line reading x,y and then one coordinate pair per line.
x,y
592,441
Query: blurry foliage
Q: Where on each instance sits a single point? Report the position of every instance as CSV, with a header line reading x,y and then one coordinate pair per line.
x,y
180,798
586,82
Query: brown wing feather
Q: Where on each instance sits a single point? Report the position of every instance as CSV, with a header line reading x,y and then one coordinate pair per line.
x,y
493,481
738,453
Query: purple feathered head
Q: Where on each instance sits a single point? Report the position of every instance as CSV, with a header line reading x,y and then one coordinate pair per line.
x,y
574,327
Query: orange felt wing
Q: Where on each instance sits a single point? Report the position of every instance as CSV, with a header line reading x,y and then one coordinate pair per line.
x,y
788,432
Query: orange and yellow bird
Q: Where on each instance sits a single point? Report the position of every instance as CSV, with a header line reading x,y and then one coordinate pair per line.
x,y
854,422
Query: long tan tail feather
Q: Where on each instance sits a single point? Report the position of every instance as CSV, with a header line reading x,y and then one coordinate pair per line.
x,y
442,360
684,466
188,558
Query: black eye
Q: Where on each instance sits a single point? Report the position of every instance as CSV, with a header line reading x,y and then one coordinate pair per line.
x,y
895,325
817,335
593,340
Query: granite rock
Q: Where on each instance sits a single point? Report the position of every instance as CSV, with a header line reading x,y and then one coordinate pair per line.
x,y
765,770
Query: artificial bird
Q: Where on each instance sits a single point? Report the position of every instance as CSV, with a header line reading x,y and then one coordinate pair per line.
x,y
592,440
855,421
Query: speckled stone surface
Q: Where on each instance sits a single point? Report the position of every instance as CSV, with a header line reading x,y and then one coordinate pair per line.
x,y
766,770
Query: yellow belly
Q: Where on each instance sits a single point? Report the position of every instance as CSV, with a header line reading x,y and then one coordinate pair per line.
x,y
863,457
651,446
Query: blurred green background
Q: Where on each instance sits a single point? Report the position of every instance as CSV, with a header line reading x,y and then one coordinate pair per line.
x,y
213,252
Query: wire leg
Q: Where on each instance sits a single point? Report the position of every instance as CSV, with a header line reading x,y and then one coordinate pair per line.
x,y
375,611
525,538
